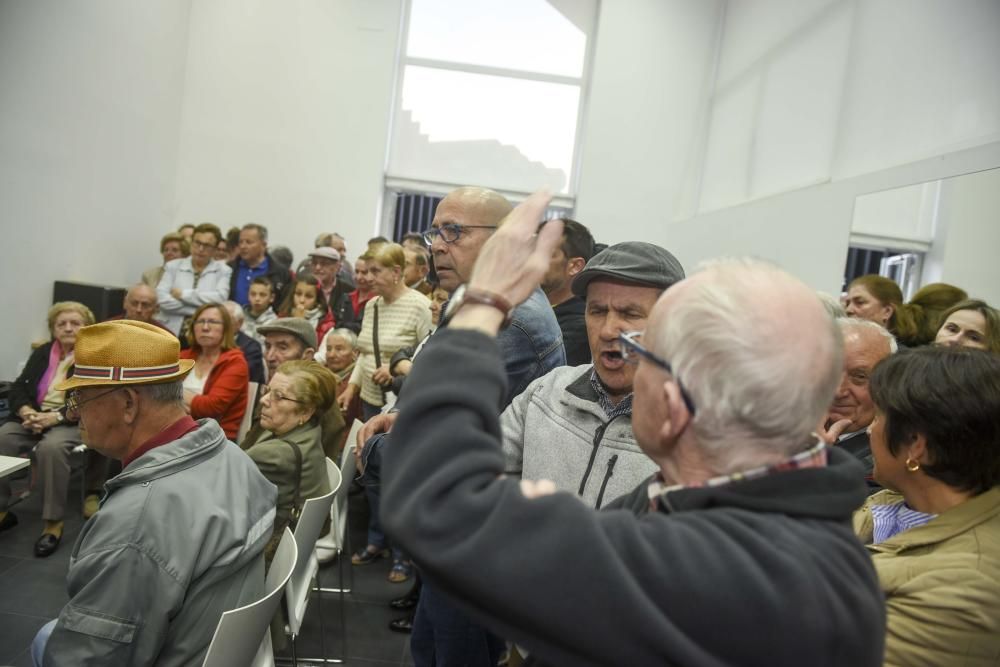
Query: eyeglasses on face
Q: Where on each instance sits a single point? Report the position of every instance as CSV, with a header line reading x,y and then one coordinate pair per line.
x,y
73,401
632,349
450,232
204,322
203,246
277,395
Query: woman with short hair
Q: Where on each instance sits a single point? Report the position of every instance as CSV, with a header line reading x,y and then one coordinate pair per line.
x,y
289,453
172,246
934,533
39,419
217,385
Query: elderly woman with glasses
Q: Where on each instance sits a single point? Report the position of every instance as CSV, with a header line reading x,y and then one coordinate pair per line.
x,y
934,533
191,282
289,453
39,420
217,386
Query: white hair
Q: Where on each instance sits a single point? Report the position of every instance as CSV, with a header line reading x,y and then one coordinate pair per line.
x,y
848,324
235,312
759,357
832,305
163,392
346,334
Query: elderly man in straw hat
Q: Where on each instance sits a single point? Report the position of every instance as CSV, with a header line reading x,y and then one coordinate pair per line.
x,y
180,533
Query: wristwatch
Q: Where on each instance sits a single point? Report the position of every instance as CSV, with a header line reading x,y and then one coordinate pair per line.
x,y
464,294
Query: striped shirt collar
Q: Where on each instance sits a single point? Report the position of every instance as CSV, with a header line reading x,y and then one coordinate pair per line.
x,y
890,520
624,406
814,457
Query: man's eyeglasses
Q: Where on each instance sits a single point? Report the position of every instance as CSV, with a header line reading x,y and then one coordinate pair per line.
x,y
450,232
632,349
73,401
203,246
276,395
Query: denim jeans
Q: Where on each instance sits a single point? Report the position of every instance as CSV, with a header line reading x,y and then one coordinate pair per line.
x,y
443,636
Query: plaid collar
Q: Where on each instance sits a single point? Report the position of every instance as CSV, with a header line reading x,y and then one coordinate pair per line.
x,y
814,457
624,406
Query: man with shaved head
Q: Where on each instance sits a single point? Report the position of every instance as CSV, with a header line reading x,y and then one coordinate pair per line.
x,y
531,346
739,551
141,305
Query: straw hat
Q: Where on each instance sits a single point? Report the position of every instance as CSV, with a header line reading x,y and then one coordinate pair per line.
x,y
125,352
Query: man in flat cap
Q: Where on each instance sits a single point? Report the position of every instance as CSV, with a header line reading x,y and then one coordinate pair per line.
x,y
573,426
181,531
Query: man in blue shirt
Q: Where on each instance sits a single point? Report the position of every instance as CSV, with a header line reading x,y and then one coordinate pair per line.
x,y
254,261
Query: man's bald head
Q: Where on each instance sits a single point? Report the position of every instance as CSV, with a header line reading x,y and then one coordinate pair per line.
x,y
235,312
486,206
475,213
140,303
758,354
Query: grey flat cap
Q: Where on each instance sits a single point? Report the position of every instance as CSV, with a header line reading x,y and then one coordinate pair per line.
x,y
296,326
633,262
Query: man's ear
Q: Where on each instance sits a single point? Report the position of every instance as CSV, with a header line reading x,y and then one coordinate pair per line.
x,y
131,411
678,416
308,353
575,266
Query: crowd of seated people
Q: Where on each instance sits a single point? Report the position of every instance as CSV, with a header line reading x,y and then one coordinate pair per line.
x,y
333,341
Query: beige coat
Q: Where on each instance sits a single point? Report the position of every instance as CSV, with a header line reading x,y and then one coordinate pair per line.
x,y
941,583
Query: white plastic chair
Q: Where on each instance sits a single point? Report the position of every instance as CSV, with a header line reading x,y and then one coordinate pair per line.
x,y
337,541
243,636
314,513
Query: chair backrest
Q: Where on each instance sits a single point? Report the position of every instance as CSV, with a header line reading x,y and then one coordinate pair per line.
x,y
247,422
242,638
314,513
338,511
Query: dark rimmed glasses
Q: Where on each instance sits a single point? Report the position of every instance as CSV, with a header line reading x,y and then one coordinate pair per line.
x,y
276,395
73,401
450,232
632,349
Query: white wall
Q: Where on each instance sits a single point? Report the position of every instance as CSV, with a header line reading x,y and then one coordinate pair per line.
x,y
971,239
285,117
809,104
88,143
652,69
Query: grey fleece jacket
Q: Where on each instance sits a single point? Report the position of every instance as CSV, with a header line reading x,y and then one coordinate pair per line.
x,y
557,430
178,540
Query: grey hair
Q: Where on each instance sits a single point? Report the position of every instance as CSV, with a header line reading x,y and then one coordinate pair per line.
x,y
346,334
846,324
235,312
164,392
260,229
759,387
832,305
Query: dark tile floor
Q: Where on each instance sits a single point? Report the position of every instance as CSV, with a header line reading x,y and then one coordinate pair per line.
x,y
33,590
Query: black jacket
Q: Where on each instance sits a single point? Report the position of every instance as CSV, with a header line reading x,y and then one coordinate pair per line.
x,y
341,307
24,389
759,572
571,316
254,356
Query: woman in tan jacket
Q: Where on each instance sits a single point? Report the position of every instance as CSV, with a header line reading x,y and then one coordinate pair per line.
x,y
934,533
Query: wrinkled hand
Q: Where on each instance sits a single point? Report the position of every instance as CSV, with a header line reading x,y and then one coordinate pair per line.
x,y
176,292
39,422
830,435
382,376
380,423
345,398
514,260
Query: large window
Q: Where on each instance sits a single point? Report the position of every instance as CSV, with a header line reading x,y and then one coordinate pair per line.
x,y
490,93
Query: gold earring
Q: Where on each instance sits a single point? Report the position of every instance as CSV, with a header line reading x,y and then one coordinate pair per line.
x,y
912,465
